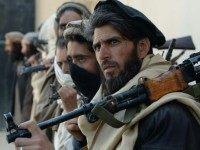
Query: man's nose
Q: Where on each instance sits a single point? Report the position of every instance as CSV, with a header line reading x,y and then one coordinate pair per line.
x,y
65,68
23,50
104,52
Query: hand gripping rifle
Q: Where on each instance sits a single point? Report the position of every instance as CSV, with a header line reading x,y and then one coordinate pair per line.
x,y
176,79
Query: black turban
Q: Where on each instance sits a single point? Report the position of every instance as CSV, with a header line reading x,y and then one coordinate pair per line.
x,y
139,21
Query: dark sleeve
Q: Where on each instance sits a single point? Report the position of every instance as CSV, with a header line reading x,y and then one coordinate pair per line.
x,y
28,101
170,127
77,145
45,109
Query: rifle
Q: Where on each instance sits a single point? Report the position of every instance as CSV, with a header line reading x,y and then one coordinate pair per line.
x,y
28,70
184,43
145,92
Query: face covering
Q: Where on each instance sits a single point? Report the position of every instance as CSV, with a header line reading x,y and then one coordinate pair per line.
x,y
63,79
87,83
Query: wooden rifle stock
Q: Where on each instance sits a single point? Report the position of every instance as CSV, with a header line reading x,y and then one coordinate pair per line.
x,y
171,81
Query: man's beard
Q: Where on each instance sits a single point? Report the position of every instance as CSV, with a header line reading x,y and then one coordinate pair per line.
x,y
132,67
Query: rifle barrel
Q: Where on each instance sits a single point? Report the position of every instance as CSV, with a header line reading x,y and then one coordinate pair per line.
x,y
29,70
73,114
122,100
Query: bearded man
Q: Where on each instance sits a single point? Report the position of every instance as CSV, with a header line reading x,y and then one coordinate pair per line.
x,y
122,40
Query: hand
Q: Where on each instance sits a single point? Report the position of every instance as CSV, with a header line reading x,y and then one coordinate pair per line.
x,y
69,98
38,141
33,60
73,129
47,62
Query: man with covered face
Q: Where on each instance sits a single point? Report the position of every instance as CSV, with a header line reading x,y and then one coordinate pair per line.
x,y
67,12
84,70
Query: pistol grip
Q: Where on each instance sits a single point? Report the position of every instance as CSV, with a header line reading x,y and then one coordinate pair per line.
x,y
19,133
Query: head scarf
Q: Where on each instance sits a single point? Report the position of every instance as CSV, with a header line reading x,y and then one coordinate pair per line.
x,y
70,6
139,21
63,79
14,36
47,33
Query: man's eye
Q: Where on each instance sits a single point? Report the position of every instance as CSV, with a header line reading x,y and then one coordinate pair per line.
x,y
114,42
80,59
69,60
97,47
59,64
62,27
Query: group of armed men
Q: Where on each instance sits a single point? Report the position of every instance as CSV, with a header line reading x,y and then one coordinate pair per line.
x,y
88,57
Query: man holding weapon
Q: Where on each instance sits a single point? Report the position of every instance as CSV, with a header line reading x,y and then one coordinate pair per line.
x,y
122,40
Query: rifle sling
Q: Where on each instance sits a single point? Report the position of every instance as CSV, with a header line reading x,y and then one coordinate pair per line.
x,y
109,118
194,91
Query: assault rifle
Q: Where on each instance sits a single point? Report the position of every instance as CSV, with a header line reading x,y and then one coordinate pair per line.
x,y
28,70
184,43
176,79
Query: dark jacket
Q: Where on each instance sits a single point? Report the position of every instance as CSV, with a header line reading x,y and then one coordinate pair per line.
x,y
46,109
170,127
28,101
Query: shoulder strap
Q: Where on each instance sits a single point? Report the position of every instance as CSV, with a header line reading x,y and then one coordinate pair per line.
x,y
194,91
110,119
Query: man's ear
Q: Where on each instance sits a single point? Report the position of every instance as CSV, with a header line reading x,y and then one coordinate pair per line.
x,y
143,47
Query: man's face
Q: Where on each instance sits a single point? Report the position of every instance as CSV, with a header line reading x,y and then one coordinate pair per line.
x,y
116,56
81,56
112,50
25,47
65,18
8,46
61,54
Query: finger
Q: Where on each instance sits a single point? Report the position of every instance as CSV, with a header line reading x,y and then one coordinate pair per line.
x,y
21,142
62,91
17,148
34,147
73,128
66,90
71,122
72,125
32,127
